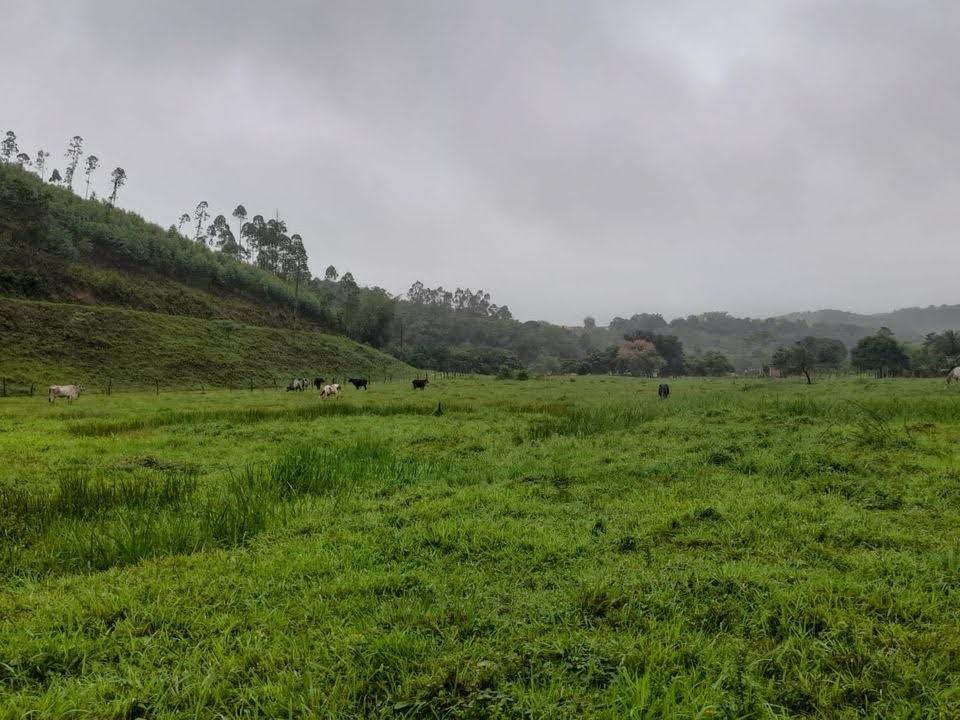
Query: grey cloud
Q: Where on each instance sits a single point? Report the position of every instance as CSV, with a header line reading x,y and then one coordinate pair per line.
x,y
570,157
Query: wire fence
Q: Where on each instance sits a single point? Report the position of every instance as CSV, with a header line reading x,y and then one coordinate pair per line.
x,y
20,387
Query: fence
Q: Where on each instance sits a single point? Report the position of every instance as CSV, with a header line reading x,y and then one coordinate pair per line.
x,y
19,387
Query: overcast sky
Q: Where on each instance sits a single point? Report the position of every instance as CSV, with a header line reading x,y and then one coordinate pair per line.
x,y
571,158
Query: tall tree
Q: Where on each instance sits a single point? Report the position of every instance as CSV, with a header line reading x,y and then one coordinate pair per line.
x,y
200,214
8,148
41,162
880,353
55,177
93,162
23,160
331,273
73,154
297,259
117,179
240,213
184,219
221,236
254,231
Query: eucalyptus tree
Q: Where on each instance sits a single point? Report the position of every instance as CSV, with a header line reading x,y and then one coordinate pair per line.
x,y
240,213
93,162
117,179
74,151
221,236
41,161
8,147
200,214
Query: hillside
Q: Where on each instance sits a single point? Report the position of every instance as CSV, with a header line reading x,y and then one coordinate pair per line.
x,y
57,246
46,343
909,324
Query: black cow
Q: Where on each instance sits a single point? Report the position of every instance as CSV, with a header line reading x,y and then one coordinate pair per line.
x,y
358,383
318,383
663,391
420,384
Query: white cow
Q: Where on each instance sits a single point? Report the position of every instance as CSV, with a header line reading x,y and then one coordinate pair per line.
x,y
70,392
954,375
330,390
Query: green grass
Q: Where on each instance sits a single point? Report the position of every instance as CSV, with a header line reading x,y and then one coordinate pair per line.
x,y
550,548
48,343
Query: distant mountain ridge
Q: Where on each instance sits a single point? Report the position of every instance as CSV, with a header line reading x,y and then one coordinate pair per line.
x,y
911,323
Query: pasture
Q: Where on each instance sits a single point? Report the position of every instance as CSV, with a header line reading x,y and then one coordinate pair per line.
x,y
555,548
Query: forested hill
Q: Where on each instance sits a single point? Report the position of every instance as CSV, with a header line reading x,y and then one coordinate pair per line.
x,y
56,246
910,324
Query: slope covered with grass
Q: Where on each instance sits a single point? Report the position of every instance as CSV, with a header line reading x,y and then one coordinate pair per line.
x,y
57,246
44,343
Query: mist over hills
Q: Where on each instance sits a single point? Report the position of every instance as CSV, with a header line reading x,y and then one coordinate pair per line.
x,y
910,324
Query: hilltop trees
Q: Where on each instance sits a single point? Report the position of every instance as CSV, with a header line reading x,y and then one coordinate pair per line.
x,y
200,214
8,147
41,161
73,154
93,162
240,214
117,178
221,237
55,177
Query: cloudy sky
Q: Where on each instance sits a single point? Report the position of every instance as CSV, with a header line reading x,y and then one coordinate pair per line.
x,y
571,158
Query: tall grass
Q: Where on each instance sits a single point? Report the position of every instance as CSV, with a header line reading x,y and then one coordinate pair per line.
x,y
90,524
100,428
584,421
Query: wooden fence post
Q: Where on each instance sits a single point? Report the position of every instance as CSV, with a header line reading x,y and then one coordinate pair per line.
x,y
109,385
32,388
158,386
3,387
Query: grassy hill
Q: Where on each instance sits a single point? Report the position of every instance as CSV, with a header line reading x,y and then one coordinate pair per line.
x,y
44,343
59,247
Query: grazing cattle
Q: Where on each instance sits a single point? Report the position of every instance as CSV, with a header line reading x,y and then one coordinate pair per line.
x,y
358,383
318,383
300,384
954,375
70,392
330,391
663,391
420,384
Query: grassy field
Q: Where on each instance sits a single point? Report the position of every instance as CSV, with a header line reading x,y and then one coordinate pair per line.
x,y
49,343
552,548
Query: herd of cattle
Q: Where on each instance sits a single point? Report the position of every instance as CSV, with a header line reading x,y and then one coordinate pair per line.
x,y
72,392
333,389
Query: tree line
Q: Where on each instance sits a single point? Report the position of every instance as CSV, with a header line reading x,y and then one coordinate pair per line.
x,y
11,154
880,354
459,330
